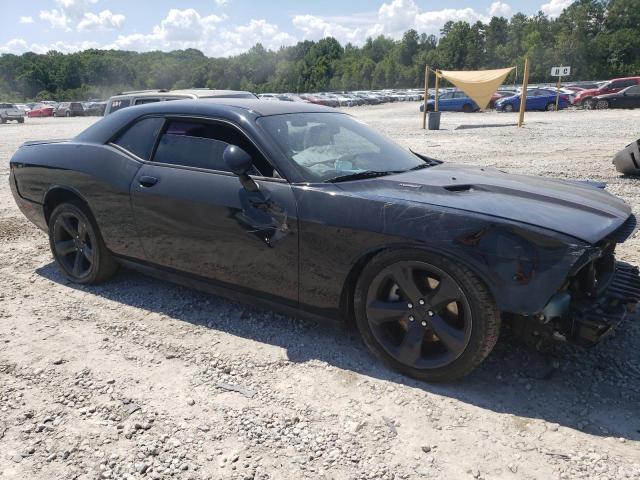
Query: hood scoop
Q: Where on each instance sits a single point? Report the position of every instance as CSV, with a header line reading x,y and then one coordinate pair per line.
x,y
460,188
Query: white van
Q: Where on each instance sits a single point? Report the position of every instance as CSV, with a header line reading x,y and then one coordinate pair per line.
x,y
140,97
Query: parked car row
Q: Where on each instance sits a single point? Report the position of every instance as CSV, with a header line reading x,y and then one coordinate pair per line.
x,y
348,99
48,108
585,97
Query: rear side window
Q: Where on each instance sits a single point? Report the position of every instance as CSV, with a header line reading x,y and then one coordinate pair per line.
x,y
119,104
142,101
199,144
140,138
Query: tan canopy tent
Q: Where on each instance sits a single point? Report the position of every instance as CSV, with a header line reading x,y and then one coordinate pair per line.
x,y
480,85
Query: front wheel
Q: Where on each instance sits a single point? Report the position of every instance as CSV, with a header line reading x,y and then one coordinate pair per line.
x,y
602,104
424,315
467,108
77,246
508,108
550,107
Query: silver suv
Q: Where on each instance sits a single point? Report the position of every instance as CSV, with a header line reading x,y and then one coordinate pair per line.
x,y
129,99
9,111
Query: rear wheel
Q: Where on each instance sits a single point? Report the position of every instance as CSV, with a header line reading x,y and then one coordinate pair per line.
x,y
21,120
77,246
550,107
424,315
3,120
68,114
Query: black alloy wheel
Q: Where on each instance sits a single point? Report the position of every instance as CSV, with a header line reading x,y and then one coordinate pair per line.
x,y
77,246
426,316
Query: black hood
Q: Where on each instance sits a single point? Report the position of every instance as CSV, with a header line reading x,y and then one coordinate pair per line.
x,y
581,210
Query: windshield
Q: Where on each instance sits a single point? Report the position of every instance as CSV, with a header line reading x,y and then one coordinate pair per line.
x,y
330,145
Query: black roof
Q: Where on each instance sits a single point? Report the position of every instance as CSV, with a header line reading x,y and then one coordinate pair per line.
x,y
234,109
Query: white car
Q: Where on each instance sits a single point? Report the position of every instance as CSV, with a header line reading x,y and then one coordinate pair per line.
x,y
9,112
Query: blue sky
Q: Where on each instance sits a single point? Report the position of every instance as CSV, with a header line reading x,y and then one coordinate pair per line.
x,y
228,27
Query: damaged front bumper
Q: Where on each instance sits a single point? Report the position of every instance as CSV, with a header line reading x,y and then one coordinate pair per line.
x,y
592,320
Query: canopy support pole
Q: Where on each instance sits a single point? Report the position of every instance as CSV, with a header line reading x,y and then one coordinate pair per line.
x,y
523,95
436,109
558,93
426,97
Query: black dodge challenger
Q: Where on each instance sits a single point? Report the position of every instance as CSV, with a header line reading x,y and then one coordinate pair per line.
x,y
308,210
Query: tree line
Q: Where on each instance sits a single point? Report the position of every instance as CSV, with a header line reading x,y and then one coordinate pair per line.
x,y
600,39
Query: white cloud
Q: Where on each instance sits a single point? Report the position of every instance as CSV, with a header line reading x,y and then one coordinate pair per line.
x,y
56,18
315,28
15,45
243,37
500,9
78,13
392,19
26,19
182,29
555,7
221,3
104,20
19,45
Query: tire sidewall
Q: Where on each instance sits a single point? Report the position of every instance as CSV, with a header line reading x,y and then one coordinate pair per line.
x,y
79,211
479,328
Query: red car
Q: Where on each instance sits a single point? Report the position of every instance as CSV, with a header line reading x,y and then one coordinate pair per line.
x,y
612,86
41,111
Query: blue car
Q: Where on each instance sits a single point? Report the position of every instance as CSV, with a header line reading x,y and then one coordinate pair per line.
x,y
452,102
537,99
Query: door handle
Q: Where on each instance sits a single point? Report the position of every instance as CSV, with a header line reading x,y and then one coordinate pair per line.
x,y
147,181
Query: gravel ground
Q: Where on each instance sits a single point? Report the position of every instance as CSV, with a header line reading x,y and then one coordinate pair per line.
x,y
142,379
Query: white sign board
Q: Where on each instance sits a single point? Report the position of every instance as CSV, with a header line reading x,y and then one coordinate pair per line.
x,y
560,71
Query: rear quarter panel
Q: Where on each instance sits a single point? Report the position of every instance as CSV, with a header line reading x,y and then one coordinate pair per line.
x,y
99,174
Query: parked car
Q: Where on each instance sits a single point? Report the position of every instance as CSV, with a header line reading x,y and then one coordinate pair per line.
x,y
537,99
9,112
94,108
612,86
23,108
308,210
627,98
141,97
69,109
454,101
41,110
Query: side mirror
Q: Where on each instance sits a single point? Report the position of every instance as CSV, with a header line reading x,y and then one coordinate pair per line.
x,y
239,162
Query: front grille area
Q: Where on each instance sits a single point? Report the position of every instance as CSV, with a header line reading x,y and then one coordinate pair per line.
x,y
626,283
595,319
624,231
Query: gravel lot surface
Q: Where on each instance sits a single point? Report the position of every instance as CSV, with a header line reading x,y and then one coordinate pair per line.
x,y
142,379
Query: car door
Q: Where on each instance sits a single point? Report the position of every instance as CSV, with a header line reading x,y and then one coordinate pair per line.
x,y
194,216
629,98
534,100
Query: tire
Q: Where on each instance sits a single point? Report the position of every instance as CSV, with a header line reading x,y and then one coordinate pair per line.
x,y
67,114
3,120
585,101
21,120
399,326
72,219
602,104
551,107
467,108
508,108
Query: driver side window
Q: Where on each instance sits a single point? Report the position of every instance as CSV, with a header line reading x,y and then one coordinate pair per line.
x,y
201,144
